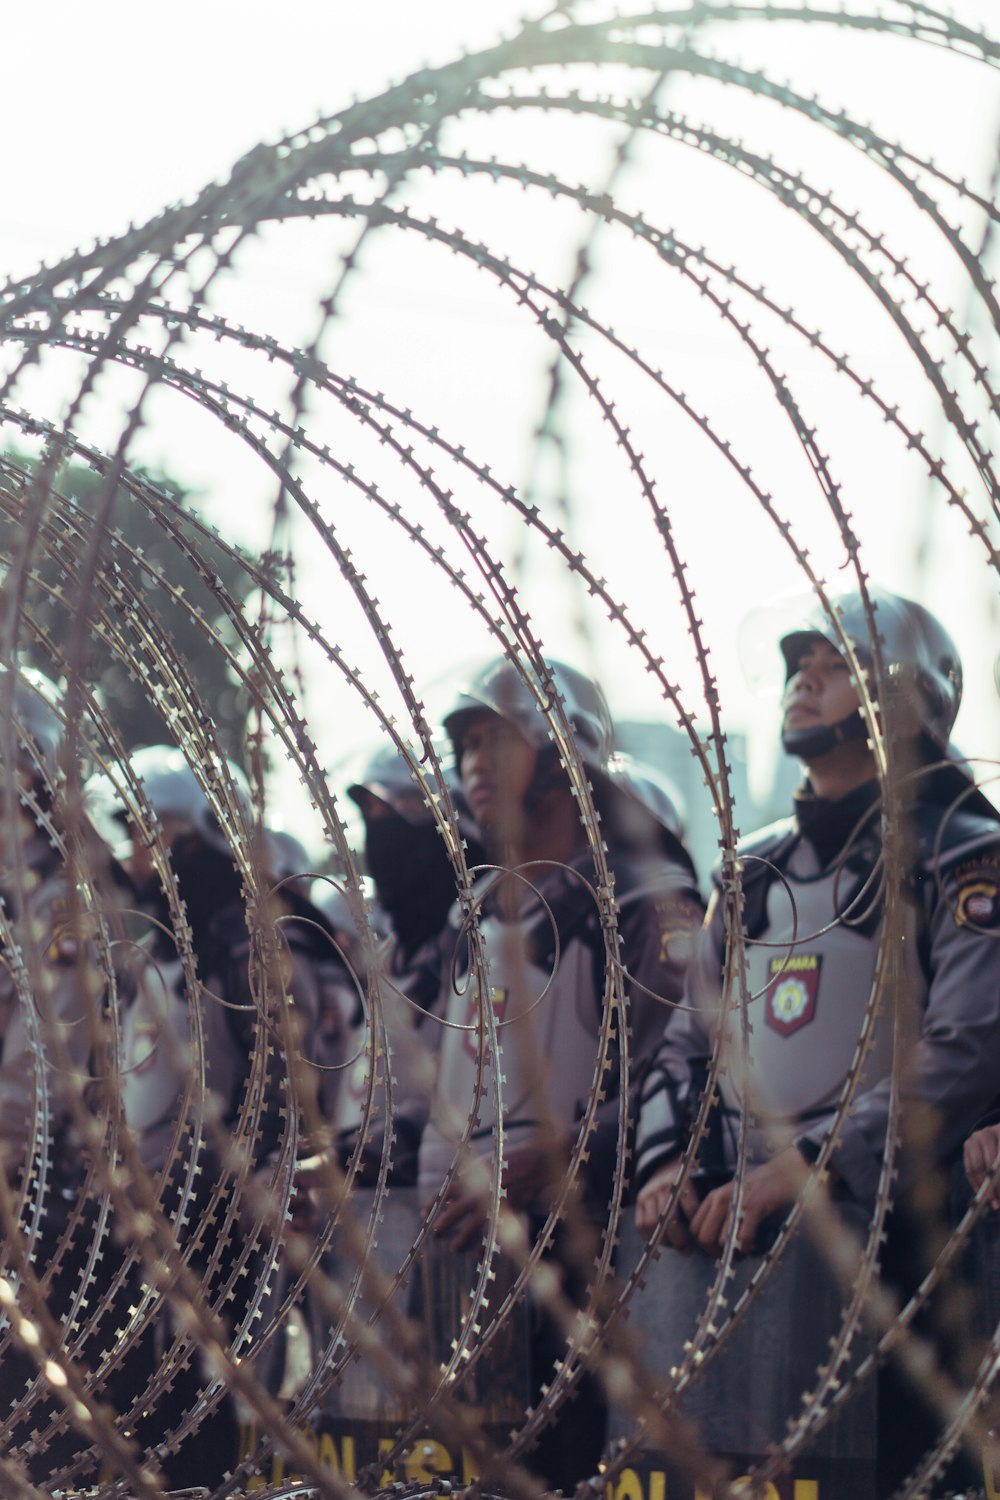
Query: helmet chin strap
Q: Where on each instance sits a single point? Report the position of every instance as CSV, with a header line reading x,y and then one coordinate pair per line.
x,y
818,739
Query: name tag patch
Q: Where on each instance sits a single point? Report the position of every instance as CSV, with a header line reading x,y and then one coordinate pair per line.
x,y
790,998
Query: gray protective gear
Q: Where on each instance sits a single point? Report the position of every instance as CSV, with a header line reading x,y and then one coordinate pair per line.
x,y
102,802
813,930
649,789
386,774
173,791
916,652
40,728
500,688
328,897
545,981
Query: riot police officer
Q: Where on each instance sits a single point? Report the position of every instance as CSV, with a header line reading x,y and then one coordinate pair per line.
x,y
536,1014
241,990
51,991
383,1084
414,882
813,918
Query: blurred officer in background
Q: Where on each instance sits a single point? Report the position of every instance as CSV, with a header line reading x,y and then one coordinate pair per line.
x,y
37,914
415,887
383,1093
217,1044
537,1013
50,1014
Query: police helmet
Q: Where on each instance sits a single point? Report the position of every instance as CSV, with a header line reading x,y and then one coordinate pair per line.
x,y
644,811
386,774
499,688
646,789
173,791
918,655
331,899
103,805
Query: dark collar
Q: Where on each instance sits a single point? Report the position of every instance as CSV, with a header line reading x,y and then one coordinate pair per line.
x,y
829,825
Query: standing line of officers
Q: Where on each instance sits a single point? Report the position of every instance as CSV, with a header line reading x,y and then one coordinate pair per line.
x,y
842,997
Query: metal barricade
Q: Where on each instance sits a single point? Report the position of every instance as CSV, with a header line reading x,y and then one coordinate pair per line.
x,y
755,1382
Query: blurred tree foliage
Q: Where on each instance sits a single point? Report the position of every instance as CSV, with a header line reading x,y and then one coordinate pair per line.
x,y
54,597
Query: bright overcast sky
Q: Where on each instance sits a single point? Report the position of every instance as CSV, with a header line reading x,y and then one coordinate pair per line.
x,y
109,114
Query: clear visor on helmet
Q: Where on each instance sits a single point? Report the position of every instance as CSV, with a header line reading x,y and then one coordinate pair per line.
x,y
764,664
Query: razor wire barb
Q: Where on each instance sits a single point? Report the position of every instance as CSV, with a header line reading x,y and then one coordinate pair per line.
x,y
348,466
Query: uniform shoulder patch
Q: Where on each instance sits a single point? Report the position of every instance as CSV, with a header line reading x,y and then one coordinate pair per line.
x,y
679,920
976,893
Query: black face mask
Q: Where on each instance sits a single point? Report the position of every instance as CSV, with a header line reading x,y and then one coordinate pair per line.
x,y
207,881
414,880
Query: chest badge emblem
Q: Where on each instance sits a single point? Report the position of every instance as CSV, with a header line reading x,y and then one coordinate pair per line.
x,y
790,997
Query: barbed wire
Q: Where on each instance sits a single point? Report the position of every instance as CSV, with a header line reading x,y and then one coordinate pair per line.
x,y
406,502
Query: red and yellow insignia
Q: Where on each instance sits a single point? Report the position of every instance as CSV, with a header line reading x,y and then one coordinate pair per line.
x,y
790,997
499,997
976,904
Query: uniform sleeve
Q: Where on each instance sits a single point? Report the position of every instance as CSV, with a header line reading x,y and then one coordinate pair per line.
x,y
954,1072
665,1102
658,938
277,1011
411,997
414,1003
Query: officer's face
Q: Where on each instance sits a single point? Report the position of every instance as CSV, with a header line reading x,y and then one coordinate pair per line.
x,y
820,691
496,765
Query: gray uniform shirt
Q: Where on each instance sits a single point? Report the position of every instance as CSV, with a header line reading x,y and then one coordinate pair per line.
x,y
547,1002
810,971
164,1039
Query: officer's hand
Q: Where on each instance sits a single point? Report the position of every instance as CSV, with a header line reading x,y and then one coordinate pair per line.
x,y
529,1173
980,1155
465,1213
532,1170
652,1200
774,1185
